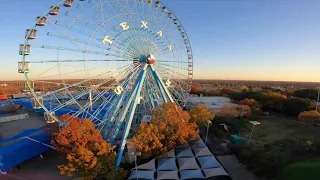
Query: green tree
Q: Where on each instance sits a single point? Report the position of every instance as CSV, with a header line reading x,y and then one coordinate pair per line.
x,y
295,105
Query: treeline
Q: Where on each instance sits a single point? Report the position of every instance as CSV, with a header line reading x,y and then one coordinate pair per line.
x,y
6,91
288,102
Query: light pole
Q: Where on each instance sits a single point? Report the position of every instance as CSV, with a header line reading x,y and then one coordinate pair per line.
x,y
209,122
135,154
254,123
317,105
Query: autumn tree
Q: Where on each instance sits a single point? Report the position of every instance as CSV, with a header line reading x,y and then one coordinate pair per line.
x,y
200,114
3,92
226,91
252,103
243,111
228,111
170,126
195,89
269,98
85,150
310,116
244,88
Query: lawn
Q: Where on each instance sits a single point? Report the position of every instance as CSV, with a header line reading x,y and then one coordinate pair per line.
x,y
306,170
279,147
274,128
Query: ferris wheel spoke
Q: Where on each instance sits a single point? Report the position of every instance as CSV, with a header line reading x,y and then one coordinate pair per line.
x,y
80,50
80,60
173,66
166,61
105,103
87,80
80,95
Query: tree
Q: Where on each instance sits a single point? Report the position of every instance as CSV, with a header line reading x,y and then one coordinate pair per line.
x,y
226,91
244,88
295,105
195,89
269,98
168,128
311,94
228,111
243,111
309,116
3,92
85,150
200,114
252,103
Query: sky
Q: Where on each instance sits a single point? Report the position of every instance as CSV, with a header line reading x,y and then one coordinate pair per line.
x,y
276,40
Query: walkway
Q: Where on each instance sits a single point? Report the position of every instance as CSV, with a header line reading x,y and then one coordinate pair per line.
x,y
230,162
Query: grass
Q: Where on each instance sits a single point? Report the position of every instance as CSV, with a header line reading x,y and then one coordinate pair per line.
x,y
307,170
274,128
277,143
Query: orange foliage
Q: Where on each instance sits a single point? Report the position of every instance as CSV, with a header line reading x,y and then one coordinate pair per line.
x,y
244,88
8,90
200,114
85,150
253,104
195,88
228,111
168,128
244,111
235,111
310,116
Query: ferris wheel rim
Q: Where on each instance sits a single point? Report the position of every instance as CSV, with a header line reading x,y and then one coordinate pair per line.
x,y
60,4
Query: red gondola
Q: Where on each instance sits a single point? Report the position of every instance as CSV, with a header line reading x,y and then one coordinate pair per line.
x,y
68,3
32,34
41,21
54,10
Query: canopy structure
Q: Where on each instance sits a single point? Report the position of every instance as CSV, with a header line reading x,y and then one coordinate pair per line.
x,y
192,160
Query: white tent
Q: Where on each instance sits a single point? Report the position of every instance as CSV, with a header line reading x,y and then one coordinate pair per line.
x,y
169,154
197,144
215,172
141,174
190,174
184,153
188,163
208,162
167,175
167,164
202,151
151,165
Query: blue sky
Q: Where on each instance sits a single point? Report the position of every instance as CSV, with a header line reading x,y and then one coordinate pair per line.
x,y
245,40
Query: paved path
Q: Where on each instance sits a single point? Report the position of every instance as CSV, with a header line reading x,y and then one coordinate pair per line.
x,y
230,162
38,169
236,170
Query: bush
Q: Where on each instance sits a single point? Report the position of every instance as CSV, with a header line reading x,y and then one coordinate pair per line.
x,y
312,117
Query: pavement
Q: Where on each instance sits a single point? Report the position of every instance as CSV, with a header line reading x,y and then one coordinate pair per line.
x,y
12,128
38,169
219,148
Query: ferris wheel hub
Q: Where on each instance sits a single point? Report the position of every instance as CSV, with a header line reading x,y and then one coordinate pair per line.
x,y
151,59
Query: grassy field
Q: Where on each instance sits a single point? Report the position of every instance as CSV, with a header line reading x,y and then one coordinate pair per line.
x,y
280,147
274,128
302,170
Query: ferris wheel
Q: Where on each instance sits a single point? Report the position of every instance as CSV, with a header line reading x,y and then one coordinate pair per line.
x,y
112,61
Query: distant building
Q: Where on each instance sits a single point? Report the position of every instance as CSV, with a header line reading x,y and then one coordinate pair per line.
x,y
214,103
